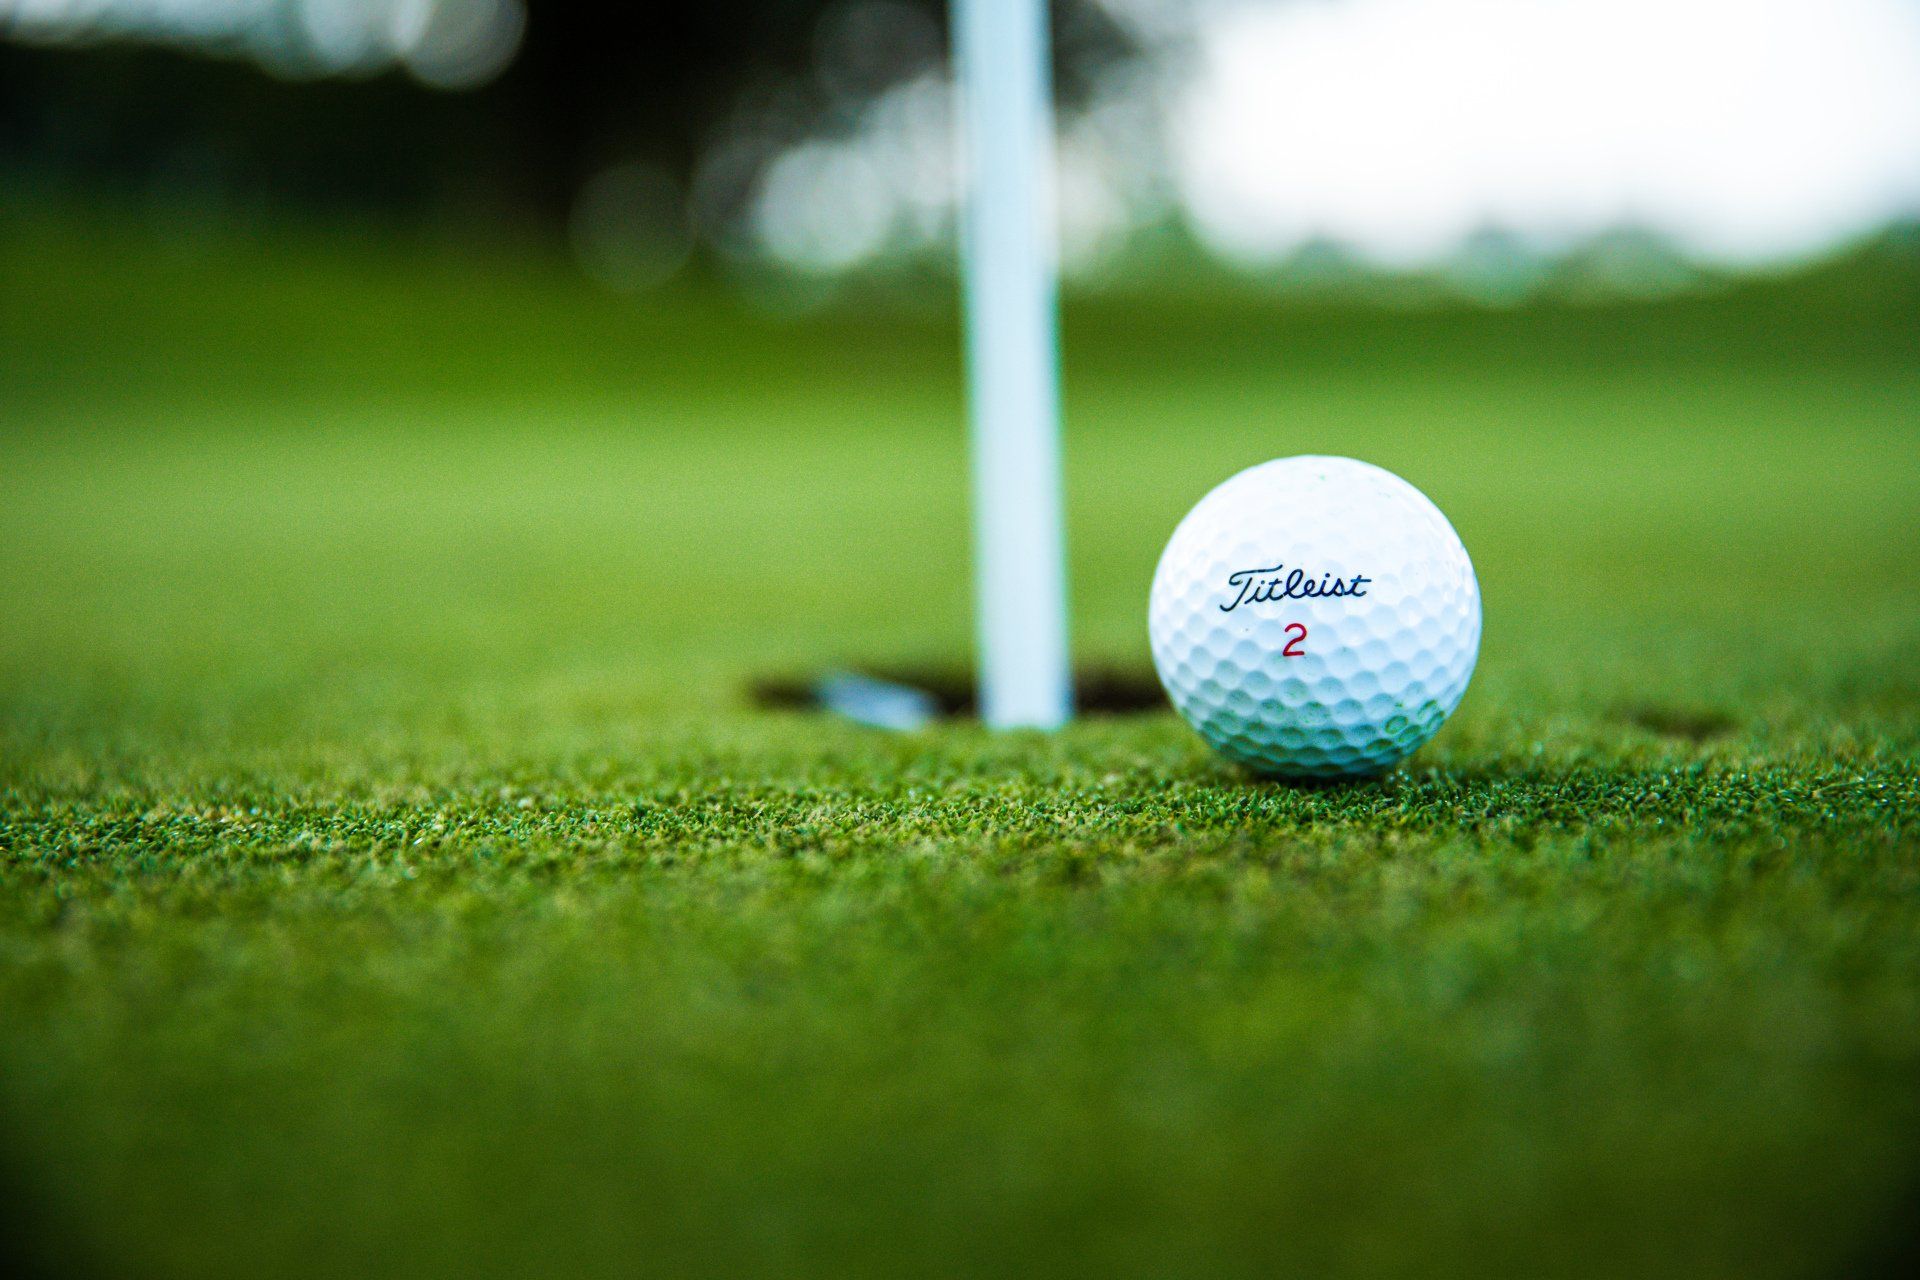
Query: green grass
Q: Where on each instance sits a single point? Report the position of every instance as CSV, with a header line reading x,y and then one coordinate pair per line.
x,y
394,874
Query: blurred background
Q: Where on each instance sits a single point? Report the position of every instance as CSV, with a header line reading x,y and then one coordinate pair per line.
x,y
790,146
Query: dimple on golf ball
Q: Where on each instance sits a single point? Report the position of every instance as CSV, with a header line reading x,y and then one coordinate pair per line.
x,y
1315,618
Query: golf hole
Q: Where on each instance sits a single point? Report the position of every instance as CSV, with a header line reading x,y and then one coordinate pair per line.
x,y
910,697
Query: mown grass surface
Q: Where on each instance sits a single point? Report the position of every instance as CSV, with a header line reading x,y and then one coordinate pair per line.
x,y
394,873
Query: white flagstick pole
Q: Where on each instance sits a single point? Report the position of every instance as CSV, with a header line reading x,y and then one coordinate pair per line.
x,y
1006,122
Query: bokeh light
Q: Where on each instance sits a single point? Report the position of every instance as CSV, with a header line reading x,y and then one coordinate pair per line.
x,y
447,44
629,228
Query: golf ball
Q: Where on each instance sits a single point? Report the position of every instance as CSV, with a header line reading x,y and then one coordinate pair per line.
x,y
1315,618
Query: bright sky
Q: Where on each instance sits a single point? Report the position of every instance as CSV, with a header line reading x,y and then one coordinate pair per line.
x,y
1746,131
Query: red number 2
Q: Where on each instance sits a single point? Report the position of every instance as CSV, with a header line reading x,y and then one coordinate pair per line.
x,y
1293,649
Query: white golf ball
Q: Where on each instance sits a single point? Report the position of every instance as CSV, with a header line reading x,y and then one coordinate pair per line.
x,y
1315,618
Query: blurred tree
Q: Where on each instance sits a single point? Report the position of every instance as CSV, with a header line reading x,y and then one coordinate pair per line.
x,y
592,83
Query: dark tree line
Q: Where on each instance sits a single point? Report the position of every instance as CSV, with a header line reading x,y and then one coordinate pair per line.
x,y
591,83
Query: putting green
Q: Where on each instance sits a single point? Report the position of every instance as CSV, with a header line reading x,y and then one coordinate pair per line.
x,y
395,872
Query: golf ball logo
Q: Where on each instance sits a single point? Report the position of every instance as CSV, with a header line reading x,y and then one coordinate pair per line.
x,y
1315,617
1257,586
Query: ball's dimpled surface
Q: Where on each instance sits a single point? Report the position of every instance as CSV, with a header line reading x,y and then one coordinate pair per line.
x,y
1294,683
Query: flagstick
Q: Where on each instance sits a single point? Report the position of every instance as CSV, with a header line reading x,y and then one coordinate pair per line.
x,y
1013,357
